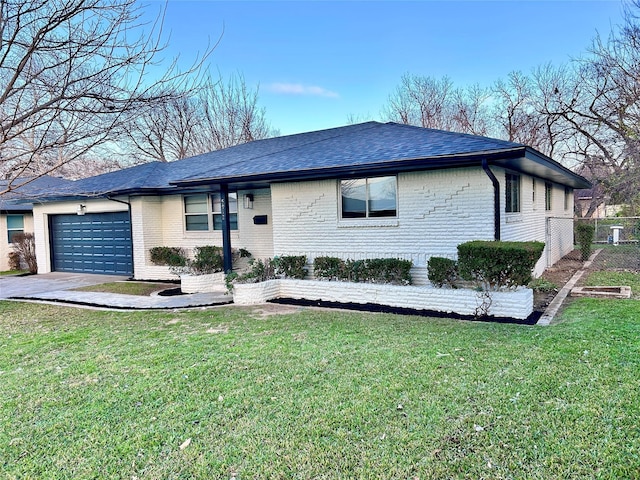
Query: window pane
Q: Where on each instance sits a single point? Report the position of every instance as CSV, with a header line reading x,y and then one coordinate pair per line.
x,y
354,197
233,221
382,197
216,201
233,202
512,193
12,234
547,196
197,222
15,222
195,204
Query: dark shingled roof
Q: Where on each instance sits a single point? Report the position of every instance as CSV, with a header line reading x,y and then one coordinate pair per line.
x,y
367,148
28,190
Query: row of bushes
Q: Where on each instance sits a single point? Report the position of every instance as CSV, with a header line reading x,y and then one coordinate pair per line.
x,y
206,259
492,265
375,270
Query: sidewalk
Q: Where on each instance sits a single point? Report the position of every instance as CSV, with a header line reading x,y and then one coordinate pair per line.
x,y
57,287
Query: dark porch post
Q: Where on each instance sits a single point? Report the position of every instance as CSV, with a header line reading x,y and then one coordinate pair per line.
x,y
226,229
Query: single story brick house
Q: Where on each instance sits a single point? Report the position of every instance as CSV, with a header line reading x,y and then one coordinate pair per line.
x,y
16,209
359,191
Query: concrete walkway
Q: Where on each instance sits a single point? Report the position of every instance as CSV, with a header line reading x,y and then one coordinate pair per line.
x,y
57,287
556,303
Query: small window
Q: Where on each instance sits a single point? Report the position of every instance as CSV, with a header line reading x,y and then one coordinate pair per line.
x,y
368,197
15,226
533,192
512,193
196,214
216,200
567,198
548,191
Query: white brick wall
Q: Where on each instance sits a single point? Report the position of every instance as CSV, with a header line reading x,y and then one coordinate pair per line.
x,y
513,304
531,222
159,221
437,210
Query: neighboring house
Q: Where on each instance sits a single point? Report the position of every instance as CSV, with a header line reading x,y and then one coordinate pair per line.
x,y
16,209
590,202
359,191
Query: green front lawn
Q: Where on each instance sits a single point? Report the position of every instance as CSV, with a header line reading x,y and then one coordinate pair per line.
x,y
230,392
143,289
13,272
604,277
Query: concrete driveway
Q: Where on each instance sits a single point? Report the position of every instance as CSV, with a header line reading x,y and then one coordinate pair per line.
x,y
11,286
57,287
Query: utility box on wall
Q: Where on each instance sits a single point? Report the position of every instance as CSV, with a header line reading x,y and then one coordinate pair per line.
x,y
260,220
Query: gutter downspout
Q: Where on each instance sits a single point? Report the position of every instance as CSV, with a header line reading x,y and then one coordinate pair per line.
x,y
128,204
496,199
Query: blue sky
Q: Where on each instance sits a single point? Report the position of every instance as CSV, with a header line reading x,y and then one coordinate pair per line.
x,y
317,62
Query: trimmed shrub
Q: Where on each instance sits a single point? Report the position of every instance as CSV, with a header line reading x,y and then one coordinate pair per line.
x,y
376,270
291,266
388,270
169,256
498,265
329,268
584,237
207,259
442,271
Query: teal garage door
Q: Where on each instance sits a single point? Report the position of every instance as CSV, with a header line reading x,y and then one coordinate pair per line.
x,y
92,243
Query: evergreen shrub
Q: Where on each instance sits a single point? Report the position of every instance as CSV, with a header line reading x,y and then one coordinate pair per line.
x,y
496,264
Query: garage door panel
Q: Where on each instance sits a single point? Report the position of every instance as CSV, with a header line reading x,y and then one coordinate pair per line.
x,y
92,243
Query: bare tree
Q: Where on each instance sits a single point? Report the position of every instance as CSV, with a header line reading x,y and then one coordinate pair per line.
x,y
421,101
435,103
70,73
231,114
219,114
603,109
471,111
516,114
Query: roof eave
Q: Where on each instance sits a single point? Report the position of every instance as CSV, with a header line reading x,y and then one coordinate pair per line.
x,y
379,168
546,168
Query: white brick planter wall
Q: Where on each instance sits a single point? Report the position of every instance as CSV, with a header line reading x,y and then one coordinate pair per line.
x,y
514,304
212,282
256,293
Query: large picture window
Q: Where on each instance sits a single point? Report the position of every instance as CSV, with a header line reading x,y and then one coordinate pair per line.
x,y
512,193
198,209
15,226
369,197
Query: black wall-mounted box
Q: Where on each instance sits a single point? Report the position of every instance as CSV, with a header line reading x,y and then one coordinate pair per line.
x,y
260,220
